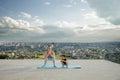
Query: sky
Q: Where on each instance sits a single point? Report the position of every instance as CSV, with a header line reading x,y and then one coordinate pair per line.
x,y
60,20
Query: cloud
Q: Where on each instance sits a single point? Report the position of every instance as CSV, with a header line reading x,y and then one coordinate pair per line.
x,y
47,3
33,20
54,33
25,15
38,22
58,31
100,27
22,30
100,32
66,24
90,15
8,24
68,6
35,29
72,3
91,18
82,9
108,9
83,1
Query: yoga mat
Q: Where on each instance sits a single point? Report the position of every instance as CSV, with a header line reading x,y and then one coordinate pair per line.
x,y
59,67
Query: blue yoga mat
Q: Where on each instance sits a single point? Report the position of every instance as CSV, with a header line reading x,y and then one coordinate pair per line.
x,y
59,67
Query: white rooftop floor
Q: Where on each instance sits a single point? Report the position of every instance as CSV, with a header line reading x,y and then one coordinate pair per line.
x,y
27,70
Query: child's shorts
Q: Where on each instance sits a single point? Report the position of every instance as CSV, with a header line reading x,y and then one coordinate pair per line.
x,y
64,63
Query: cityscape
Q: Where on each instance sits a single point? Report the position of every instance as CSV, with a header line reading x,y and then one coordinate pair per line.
x,y
74,50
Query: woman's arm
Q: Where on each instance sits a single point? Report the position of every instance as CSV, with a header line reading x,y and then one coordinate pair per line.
x,y
53,54
46,54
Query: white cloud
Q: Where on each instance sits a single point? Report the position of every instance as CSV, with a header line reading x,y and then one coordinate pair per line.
x,y
107,9
25,15
100,27
82,9
91,33
33,20
47,3
91,18
83,1
68,6
14,25
66,24
24,28
38,22
74,2
100,32
36,29
90,15
61,31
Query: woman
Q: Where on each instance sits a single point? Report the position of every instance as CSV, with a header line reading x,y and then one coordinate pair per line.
x,y
49,55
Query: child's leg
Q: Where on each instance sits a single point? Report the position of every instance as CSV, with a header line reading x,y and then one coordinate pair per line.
x,y
62,64
65,64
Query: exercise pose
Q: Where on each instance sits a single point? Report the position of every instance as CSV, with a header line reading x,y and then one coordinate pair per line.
x,y
49,55
64,61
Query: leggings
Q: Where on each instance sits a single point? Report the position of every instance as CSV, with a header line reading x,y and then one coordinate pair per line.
x,y
46,59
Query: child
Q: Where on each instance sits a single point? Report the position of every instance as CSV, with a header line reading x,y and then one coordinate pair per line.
x,y
64,61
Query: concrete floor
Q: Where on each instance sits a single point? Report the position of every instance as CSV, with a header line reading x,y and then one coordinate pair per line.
x,y
27,70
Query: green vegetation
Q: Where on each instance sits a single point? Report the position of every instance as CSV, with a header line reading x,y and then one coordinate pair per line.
x,y
4,56
113,57
31,55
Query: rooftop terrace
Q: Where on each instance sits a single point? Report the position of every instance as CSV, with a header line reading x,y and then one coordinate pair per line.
x,y
27,70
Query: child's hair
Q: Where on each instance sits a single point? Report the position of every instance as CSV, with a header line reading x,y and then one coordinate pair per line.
x,y
63,55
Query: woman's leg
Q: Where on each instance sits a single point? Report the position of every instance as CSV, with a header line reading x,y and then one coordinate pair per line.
x,y
54,62
45,61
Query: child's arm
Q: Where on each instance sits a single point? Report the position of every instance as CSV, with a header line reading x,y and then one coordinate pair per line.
x,y
63,60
